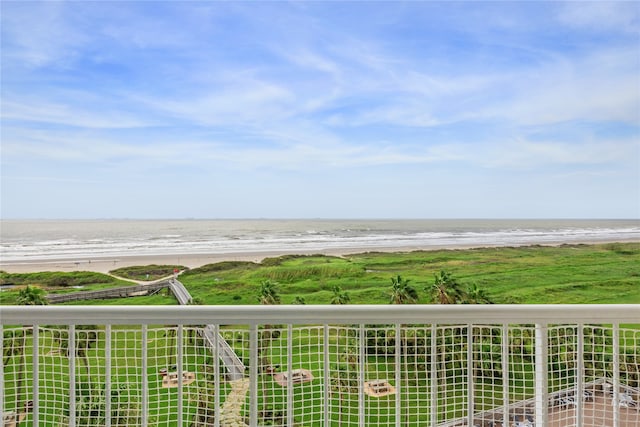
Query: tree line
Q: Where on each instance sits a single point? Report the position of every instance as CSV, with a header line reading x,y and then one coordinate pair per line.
x,y
445,289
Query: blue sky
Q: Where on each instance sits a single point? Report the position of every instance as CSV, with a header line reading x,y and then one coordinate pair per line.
x,y
320,110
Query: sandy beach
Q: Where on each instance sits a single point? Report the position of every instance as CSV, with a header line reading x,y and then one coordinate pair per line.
x,y
106,264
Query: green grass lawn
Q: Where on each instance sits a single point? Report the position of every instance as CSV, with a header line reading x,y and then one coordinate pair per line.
x,y
607,273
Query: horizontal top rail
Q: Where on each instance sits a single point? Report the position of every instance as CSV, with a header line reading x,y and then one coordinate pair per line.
x,y
320,314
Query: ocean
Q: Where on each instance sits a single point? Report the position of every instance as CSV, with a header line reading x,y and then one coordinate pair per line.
x,y
37,240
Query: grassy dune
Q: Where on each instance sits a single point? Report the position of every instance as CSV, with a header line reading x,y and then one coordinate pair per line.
x,y
573,274
533,275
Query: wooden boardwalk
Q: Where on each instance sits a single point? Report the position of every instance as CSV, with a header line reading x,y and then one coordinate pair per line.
x,y
229,358
122,292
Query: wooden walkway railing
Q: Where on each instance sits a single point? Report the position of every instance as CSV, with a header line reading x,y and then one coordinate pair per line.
x,y
229,358
122,292
180,292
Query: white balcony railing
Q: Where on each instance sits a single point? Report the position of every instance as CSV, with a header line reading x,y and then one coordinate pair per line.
x,y
321,365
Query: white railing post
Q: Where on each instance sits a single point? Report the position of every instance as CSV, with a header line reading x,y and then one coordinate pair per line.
x,y
361,374
579,398
616,374
541,374
398,374
290,375
145,380
216,373
253,375
35,366
326,390
433,375
470,384
107,375
71,348
506,385
180,341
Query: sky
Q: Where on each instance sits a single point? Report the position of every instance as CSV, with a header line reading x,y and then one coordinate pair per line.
x,y
320,109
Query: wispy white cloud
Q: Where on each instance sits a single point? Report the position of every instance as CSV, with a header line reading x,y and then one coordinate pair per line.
x,y
45,111
304,88
40,36
532,155
583,89
239,104
601,15
307,147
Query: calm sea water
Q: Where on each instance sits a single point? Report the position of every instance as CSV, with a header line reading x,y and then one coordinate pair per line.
x,y
60,239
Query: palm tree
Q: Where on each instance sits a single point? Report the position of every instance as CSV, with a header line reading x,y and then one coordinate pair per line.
x,y
29,295
344,378
204,395
476,295
268,293
402,292
13,344
445,289
340,297
32,295
86,337
268,296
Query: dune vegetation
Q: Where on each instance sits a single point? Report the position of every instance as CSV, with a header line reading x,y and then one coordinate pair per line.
x,y
572,274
